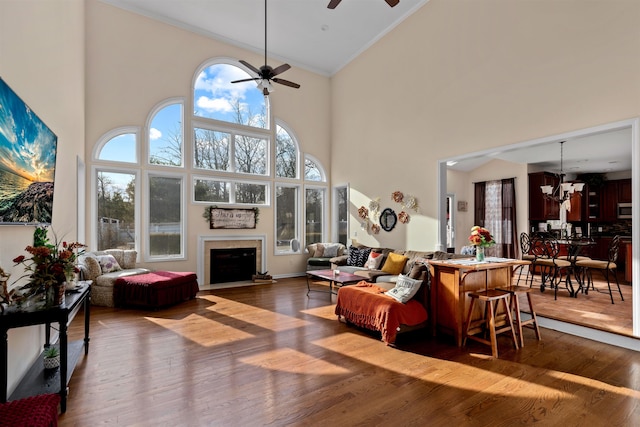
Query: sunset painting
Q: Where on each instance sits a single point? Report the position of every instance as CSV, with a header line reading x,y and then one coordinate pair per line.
x,y
27,162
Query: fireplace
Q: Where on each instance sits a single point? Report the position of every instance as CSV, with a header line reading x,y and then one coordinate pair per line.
x,y
232,264
206,243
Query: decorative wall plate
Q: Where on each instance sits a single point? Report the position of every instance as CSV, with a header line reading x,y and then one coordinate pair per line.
x,y
388,219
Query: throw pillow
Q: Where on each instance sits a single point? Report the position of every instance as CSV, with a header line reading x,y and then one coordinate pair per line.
x,y
417,270
394,263
331,249
130,256
92,266
405,289
108,263
357,257
319,251
374,261
311,249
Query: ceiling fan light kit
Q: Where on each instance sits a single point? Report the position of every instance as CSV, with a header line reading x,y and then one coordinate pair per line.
x,y
267,74
334,3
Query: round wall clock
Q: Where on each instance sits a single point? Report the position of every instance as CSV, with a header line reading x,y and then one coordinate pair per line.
x,y
388,219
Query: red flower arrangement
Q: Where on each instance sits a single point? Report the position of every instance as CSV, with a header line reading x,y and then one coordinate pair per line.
x,y
481,237
49,264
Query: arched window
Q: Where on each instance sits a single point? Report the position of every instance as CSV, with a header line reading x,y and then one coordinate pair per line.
x,y
287,153
215,97
166,135
119,145
312,169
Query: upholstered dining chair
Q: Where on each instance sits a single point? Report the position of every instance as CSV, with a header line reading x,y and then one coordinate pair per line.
x,y
606,268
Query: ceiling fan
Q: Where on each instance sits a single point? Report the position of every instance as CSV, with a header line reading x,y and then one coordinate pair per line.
x,y
267,74
334,3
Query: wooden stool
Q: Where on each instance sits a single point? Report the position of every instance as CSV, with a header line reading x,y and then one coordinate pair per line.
x,y
532,323
490,297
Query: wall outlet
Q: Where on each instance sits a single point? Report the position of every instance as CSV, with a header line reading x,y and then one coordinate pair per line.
x,y
355,234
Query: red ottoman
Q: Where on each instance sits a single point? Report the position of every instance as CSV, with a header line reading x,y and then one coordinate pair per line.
x,y
157,289
34,411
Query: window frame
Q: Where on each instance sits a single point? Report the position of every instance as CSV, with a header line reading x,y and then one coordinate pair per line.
x,y
154,111
113,133
297,217
323,223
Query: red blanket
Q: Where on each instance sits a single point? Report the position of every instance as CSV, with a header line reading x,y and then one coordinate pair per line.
x,y
366,305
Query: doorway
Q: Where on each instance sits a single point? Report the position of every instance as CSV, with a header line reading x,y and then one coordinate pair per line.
x,y
634,125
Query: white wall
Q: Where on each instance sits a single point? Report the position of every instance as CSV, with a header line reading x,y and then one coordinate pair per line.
x,y
469,76
42,60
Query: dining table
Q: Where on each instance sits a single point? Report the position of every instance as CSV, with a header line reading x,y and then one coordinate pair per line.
x,y
574,248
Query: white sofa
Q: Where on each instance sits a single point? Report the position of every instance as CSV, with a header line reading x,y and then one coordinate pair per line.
x,y
95,266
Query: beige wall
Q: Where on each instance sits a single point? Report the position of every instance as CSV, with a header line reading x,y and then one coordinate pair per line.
x,y
131,70
472,75
42,60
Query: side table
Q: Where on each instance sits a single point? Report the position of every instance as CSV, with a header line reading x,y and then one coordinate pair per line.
x,y
37,380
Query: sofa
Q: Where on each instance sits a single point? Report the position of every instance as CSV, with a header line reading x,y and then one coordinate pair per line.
x,y
103,268
383,265
394,294
320,255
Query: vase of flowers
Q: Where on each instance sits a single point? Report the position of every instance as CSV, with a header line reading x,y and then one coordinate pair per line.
x,y
49,266
481,239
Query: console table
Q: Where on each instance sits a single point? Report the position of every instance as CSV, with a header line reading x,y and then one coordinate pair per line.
x,y
453,279
37,380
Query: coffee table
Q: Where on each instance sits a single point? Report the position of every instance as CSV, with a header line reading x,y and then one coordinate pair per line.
x,y
335,280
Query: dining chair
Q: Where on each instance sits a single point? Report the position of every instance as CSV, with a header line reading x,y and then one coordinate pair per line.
x,y
606,268
526,255
554,269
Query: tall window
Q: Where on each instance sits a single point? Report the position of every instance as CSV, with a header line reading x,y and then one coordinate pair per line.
x,y
286,227
495,209
314,215
165,226
116,225
231,138
286,154
341,214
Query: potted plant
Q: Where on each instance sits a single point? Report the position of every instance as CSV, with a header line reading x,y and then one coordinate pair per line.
x,y
51,357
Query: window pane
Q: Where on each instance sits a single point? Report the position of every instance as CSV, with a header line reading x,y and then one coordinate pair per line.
x,y
312,171
251,155
286,214
215,97
121,148
314,212
343,213
165,136
250,193
165,215
209,190
286,154
211,149
116,210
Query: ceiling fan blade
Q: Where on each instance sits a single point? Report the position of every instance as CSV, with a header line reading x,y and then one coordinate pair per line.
x,y
280,69
251,67
333,4
246,80
392,2
286,83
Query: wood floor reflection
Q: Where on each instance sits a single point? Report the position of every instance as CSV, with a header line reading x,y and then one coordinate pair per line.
x,y
593,310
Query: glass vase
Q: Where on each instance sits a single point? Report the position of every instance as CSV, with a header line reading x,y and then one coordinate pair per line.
x,y
479,253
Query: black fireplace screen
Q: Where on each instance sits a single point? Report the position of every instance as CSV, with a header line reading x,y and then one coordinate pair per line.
x,y
232,265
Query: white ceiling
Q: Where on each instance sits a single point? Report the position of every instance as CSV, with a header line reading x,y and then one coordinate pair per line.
x,y
303,33
596,153
306,34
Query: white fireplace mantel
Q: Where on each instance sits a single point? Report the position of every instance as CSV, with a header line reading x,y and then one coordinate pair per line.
x,y
234,240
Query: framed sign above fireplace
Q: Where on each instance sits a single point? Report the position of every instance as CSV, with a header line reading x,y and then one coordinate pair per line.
x,y
232,218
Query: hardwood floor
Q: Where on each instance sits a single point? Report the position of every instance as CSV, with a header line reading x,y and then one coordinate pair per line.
x,y
593,310
270,355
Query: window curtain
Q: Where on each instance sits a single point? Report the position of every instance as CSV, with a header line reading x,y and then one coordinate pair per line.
x,y
495,210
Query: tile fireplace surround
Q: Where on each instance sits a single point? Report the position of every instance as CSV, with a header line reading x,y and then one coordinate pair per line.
x,y
206,243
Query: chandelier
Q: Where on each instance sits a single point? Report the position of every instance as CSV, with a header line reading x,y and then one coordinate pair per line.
x,y
562,193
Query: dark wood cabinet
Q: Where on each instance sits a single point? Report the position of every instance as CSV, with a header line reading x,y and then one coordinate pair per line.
x,y
577,211
540,208
593,195
610,201
624,191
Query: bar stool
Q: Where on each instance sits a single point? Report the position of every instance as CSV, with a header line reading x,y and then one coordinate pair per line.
x,y
491,298
515,291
